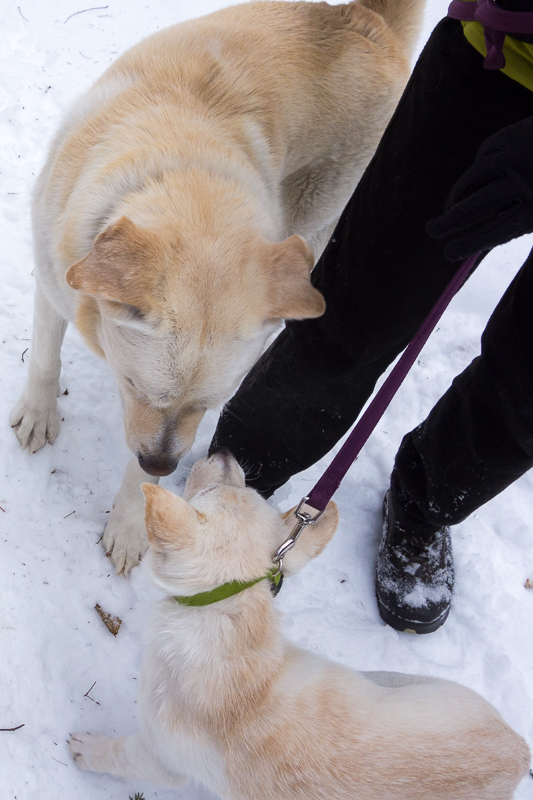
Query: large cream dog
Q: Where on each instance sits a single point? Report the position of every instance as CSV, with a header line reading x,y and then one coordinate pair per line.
x,y
176,218
227,701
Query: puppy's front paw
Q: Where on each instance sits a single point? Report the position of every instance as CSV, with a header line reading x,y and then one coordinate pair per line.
x,y
85,748
35,419
125,538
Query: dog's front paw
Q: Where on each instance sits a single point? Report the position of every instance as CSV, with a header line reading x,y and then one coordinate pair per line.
x,y
125,538
87,748
35,420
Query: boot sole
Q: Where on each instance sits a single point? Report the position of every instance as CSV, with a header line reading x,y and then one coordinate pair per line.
x,y
409,626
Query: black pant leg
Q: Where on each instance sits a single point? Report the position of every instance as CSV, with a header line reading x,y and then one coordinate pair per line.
x,y
478,439
380,273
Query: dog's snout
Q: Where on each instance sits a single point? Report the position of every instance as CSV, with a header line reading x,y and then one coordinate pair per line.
x,y
225,461
157,465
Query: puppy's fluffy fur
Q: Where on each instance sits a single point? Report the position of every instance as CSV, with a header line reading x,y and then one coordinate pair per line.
x,y
177,215
226,700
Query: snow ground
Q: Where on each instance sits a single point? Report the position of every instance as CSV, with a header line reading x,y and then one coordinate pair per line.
x,y
54,647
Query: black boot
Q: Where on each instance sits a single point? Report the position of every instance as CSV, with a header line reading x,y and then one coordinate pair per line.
x,y
414,575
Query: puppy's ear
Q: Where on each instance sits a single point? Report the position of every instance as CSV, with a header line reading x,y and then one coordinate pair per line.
x,y
312,540
170,520
291,295
119,265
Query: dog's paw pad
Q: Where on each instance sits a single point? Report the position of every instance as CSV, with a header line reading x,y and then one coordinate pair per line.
x,y
124,544
35,425
124,559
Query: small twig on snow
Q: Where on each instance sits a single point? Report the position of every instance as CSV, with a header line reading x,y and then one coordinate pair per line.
x,y
8,730
59,762
69,515
24,353
88,696
96,8
22,15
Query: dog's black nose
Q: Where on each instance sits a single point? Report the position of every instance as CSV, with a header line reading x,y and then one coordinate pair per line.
x,y
158,466
220,451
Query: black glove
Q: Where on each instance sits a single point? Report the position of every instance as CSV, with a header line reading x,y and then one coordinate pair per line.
x,y
492,202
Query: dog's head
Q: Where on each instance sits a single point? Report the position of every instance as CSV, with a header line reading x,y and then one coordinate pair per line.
x,y
222,531
181,321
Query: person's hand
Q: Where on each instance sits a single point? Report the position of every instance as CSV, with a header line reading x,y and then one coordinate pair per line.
x,y
492,202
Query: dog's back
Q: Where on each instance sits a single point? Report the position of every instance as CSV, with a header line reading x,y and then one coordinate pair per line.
x,y
339,735
313,729
294,83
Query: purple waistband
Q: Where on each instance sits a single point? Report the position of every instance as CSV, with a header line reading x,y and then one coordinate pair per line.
x,y
496,22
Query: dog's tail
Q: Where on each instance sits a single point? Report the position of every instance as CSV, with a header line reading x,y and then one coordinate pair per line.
x,y
404,17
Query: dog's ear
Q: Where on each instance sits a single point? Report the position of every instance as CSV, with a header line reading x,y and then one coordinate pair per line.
x,y
291,295
312,540
170,521
118,266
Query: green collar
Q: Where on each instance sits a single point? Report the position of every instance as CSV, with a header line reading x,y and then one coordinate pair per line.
x,y
229,589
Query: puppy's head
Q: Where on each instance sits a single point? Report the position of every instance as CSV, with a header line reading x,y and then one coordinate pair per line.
x,y
181,316
221,531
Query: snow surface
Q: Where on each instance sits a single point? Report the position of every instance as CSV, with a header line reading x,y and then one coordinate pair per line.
x,y
54,647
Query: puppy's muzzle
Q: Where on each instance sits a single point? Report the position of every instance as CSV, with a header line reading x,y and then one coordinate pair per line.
x,y
227,466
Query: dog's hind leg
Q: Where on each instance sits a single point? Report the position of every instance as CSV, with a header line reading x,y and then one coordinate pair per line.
x,y
125,538
35,417
124,757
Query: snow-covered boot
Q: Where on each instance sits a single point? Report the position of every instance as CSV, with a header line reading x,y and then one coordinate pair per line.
x,y
414,575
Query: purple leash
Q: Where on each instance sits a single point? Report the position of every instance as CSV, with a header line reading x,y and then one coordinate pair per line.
x,y
321,493
327,485
496,21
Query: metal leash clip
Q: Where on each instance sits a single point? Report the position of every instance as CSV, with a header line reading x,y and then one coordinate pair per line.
x,y
303,519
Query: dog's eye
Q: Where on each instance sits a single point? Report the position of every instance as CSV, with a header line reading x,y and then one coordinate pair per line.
x,y
138,393
205,491
134,313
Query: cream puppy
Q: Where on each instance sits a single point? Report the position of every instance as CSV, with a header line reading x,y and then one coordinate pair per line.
x,y
182,205
224,699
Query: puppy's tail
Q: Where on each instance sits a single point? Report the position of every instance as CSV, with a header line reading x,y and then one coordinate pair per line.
x,y
404,18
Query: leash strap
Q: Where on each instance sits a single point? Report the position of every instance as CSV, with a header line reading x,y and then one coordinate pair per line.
x,y
321,493
496,22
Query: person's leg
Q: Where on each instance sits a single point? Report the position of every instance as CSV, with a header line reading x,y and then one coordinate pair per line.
x,y
475,442
380,273
478,439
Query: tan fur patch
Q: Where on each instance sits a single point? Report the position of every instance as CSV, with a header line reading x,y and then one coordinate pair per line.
x,y
121,266
291,296
170,521
87,320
